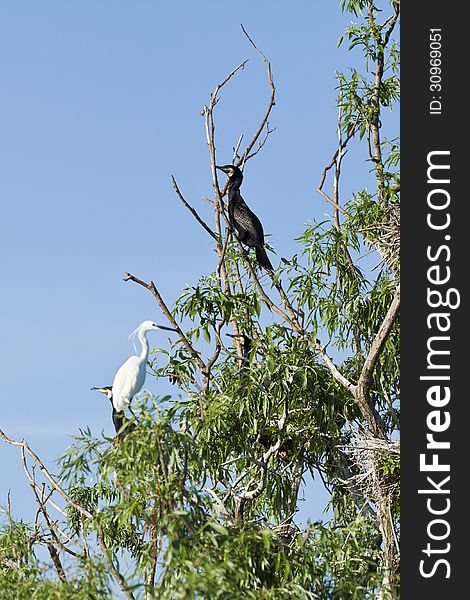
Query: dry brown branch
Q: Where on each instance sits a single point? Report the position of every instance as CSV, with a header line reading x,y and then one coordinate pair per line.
x,y
235,154
35,486
290,316
221,263
260,143
43,501
227,79
271,102
267,300
56,560
218,205
192,210
218,211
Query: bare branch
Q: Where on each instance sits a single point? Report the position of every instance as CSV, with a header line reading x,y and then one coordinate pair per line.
x,y
260,143
192,210
235,154
56,560
271,101
227,79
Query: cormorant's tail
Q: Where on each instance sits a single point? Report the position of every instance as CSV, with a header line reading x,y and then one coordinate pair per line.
x,y
119,420
263,258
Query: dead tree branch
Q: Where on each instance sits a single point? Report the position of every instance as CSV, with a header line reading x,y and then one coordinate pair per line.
x,y
192,210
271,102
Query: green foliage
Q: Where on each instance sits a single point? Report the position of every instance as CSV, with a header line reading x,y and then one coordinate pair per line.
x,y
250,562
25,577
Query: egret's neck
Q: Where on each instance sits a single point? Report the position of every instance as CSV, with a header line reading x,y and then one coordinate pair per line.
x,y
144,354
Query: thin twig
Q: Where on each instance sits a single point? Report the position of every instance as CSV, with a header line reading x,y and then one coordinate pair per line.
x,y
192,210
271,101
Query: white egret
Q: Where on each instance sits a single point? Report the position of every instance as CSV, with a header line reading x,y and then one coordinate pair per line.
x,y
130,377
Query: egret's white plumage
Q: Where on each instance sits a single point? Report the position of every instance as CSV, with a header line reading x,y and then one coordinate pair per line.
x,y
130,376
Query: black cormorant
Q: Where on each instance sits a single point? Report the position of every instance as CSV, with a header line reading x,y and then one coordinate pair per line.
x,y
118,416
242,220
246,346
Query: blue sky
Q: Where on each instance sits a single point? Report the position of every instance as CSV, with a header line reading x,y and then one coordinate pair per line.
x,y
100,105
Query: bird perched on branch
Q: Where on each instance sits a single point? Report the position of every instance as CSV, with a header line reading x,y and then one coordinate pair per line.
x,y
242,220
118,417
246,345
130,377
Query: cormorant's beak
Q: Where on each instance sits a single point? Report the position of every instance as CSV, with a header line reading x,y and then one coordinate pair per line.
x,y
166,328
106,391
220,168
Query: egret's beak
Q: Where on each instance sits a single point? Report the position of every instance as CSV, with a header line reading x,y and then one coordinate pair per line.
x,y
166,328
